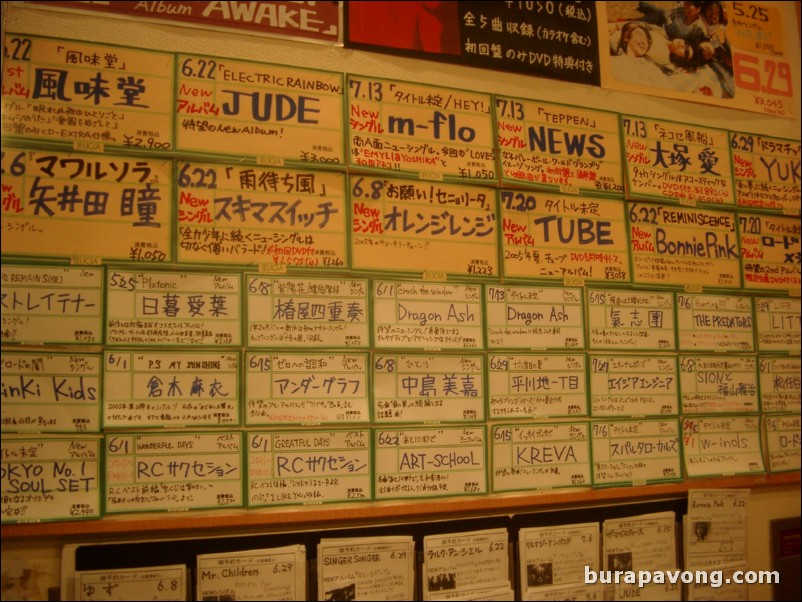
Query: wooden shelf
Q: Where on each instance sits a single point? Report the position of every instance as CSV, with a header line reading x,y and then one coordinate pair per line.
x,y
328,516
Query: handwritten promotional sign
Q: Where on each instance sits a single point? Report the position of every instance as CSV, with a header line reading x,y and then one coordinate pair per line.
x,y
559,148
779,324
51,304
422,227
630,320
50,479
150,583
647,541
772,252
563,238
683,246
172,308
90,96
784,442
469,561
711,384
540,456
308,21
313,388
593,593
722,445
536,386
636,452
266,574
730,588
747,54
50,392
272,114
428,388
308,467
261,215
716,527
86,207
714,323
676,161
422,131
766,173
294,312
556,557
668,591
780,384
170,390
633,385
427,315
428,462
378,568
186,471
534,318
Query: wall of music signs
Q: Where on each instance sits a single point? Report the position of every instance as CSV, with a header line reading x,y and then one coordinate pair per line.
x,y
232,284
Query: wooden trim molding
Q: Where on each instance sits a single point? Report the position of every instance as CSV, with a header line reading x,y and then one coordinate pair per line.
x,y
329,516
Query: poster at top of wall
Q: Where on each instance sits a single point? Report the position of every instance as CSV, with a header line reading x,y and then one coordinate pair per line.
x,y
307,21
556,40
728,54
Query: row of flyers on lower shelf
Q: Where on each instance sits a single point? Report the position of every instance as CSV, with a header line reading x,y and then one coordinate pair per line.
x,y
630,557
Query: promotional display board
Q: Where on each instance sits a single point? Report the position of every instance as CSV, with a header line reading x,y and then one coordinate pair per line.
x,y
259,285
